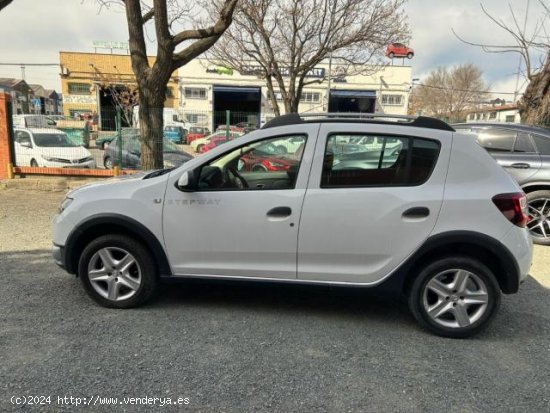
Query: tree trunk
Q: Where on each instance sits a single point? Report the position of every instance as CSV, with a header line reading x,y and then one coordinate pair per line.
x,y
272,97
151,123
534,106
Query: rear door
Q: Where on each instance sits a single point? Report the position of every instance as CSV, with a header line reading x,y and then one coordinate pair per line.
x,y
513,150
365,212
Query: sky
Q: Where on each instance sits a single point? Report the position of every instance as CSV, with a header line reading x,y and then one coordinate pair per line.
x,y
34,31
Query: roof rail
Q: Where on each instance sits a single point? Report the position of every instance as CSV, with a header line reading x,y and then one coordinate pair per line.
x,y
380,118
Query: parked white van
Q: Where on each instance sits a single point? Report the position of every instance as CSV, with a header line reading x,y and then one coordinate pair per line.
x,y
32,121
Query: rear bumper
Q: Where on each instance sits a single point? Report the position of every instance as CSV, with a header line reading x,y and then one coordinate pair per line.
x,y
519,243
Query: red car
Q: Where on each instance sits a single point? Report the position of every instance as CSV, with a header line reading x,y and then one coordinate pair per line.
x,y
399,50
196,132
215,141
232,128
256,162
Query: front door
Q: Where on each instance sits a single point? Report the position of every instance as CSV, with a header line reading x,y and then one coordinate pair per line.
x,y
242,218
366,210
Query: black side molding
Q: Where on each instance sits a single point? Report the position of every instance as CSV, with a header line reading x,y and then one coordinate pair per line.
x,y
130,226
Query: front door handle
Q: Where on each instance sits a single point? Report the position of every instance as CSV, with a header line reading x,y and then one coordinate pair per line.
x,y
416,212
520,165
279,212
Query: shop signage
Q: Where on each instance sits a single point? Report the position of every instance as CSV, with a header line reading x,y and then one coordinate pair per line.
x,y
220,70
254,70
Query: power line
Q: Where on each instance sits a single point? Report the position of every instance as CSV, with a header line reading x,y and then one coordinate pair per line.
x,y
491,92
29,64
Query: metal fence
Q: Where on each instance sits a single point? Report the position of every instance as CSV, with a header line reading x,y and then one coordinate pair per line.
x,y
81,141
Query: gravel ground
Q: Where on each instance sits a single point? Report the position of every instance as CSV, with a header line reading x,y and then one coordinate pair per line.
x,y
246,347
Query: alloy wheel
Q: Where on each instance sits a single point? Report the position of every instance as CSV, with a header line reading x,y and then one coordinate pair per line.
x,y
455,298
539,218
114,273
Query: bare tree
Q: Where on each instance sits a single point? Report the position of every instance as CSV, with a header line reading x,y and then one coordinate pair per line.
x,y
152,79
533,45
449,92
4,3
283,41
126,97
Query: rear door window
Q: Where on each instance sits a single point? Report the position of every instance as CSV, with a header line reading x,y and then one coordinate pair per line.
x,y
543,144
524,144
391,161
497,140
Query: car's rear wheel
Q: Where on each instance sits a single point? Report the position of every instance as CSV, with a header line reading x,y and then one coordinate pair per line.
x,y
539,216
34,164
199,148
454,296
108,163
259,168
117,272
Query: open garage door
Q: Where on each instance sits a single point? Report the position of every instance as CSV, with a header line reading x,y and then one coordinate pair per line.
x,y
352,101
244,104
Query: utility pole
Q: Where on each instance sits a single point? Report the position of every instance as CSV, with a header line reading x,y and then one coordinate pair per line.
x,y
23,71
329,80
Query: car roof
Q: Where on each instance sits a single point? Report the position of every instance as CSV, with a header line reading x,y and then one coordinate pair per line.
x,y
504,125
38,130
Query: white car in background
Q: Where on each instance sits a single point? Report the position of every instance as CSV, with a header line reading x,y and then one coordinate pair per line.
x,y
49,148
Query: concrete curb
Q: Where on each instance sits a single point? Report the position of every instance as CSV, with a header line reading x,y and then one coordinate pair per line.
x,y
55,184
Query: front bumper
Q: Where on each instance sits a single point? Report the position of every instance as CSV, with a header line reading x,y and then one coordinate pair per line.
x,y
58,254
89,164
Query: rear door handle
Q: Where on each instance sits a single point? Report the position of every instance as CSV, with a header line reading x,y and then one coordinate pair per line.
x,y
416,212
520,165
279,212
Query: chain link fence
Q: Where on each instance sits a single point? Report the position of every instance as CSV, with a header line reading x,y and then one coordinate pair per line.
x,y
81,141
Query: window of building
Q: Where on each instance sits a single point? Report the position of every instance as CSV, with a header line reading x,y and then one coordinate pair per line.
x,y
310,97
73,112
478,116
510,118
492,115
79,88
170,92
197,118
194,93
395,100
393,161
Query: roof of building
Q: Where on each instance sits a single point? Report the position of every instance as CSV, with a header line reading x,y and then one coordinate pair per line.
x,y
500,108
11,82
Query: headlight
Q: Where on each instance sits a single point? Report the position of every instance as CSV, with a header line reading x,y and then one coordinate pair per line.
x,y
65,204
49,158
88,159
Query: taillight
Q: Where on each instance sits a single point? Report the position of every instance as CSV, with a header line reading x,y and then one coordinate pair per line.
x,y
514,207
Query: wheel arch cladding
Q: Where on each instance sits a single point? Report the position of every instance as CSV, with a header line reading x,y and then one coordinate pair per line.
x,y
103,224
488,250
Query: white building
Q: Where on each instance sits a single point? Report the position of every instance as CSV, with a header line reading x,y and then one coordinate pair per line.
x,y
505,113
209,90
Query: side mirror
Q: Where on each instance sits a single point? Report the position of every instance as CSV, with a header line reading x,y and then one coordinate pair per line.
x,y
26,144
51,122
186,181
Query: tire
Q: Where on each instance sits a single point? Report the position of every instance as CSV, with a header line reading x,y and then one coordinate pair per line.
x,y
34,164
391,55
199,148
129,288
281,150
481,286
410,55
259,168
539,210
108,163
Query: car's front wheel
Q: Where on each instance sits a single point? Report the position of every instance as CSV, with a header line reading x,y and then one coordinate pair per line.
x,y
410,55
117,271
454,296
108,163
539,216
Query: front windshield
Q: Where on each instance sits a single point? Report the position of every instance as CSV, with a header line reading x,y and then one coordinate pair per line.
x,y
53,140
